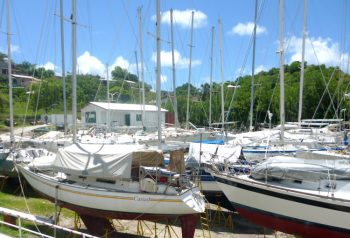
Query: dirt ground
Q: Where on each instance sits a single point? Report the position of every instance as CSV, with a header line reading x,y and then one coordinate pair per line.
x,y
223,225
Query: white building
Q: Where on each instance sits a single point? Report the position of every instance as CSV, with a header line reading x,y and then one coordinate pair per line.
x,y
121,114
56,119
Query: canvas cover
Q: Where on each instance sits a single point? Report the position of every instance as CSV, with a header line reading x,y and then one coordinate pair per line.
x,y
176,162
152,158
102,160
285,167
212,153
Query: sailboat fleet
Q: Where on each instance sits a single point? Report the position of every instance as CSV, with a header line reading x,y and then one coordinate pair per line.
x,y
276,178
294,194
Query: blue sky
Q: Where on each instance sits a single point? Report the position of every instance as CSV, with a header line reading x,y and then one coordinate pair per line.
x,y
108,34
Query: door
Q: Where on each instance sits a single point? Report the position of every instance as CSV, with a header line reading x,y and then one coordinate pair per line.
x,y
127,119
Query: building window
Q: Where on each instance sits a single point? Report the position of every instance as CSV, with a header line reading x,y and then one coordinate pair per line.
x,y
90,117
138,117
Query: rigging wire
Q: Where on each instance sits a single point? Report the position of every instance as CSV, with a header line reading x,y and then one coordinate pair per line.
x,y
326,84
260,9
40,46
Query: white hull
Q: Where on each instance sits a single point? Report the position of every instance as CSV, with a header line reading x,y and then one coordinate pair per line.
x,y
190,202
320,210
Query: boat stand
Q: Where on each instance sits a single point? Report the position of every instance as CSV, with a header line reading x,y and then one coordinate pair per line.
x,y
98,226
3,180
140,230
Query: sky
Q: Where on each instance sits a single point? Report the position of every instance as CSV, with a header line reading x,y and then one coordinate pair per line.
x,y
108,36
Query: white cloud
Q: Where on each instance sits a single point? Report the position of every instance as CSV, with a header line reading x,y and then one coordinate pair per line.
x,y
244,29
247,71
318,51
51,66
88,64
15,49
183,18
260,68
124,64
180,62
48,66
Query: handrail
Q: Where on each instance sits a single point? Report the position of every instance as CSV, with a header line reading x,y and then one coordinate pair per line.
x,y
37,220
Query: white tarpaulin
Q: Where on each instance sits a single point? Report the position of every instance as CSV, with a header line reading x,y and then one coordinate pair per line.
x,y
212,153
291,168
97,160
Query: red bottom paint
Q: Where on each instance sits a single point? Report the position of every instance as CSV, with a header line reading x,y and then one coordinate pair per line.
x,y
97,221
289,226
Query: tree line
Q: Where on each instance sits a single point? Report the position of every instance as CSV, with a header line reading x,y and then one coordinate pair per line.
x,y
323,96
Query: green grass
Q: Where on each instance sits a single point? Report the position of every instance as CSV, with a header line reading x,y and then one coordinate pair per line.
x,y
10,198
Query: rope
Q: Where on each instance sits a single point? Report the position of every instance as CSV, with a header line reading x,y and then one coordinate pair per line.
x,y
24,197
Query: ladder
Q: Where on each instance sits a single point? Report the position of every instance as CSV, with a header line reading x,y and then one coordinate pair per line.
x,y
205,220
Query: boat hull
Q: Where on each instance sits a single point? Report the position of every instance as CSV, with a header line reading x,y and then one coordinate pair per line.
x,y
110,201
288,225
285,210
214,194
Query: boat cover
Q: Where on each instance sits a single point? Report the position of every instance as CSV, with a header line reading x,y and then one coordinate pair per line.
x,y
104,160
292,168
212,153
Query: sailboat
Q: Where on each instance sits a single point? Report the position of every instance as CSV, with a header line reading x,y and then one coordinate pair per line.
x,y
314,134
3,152
116,181
105,181
204,157
296,196
302,196
15,155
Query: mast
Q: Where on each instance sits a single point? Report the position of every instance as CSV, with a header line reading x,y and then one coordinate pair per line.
x,y
63,70
281,51
142,73
108,101
189,77
222,78
211,74
302,65
158,86
9,71
174,72
140,89
253,69
74,72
